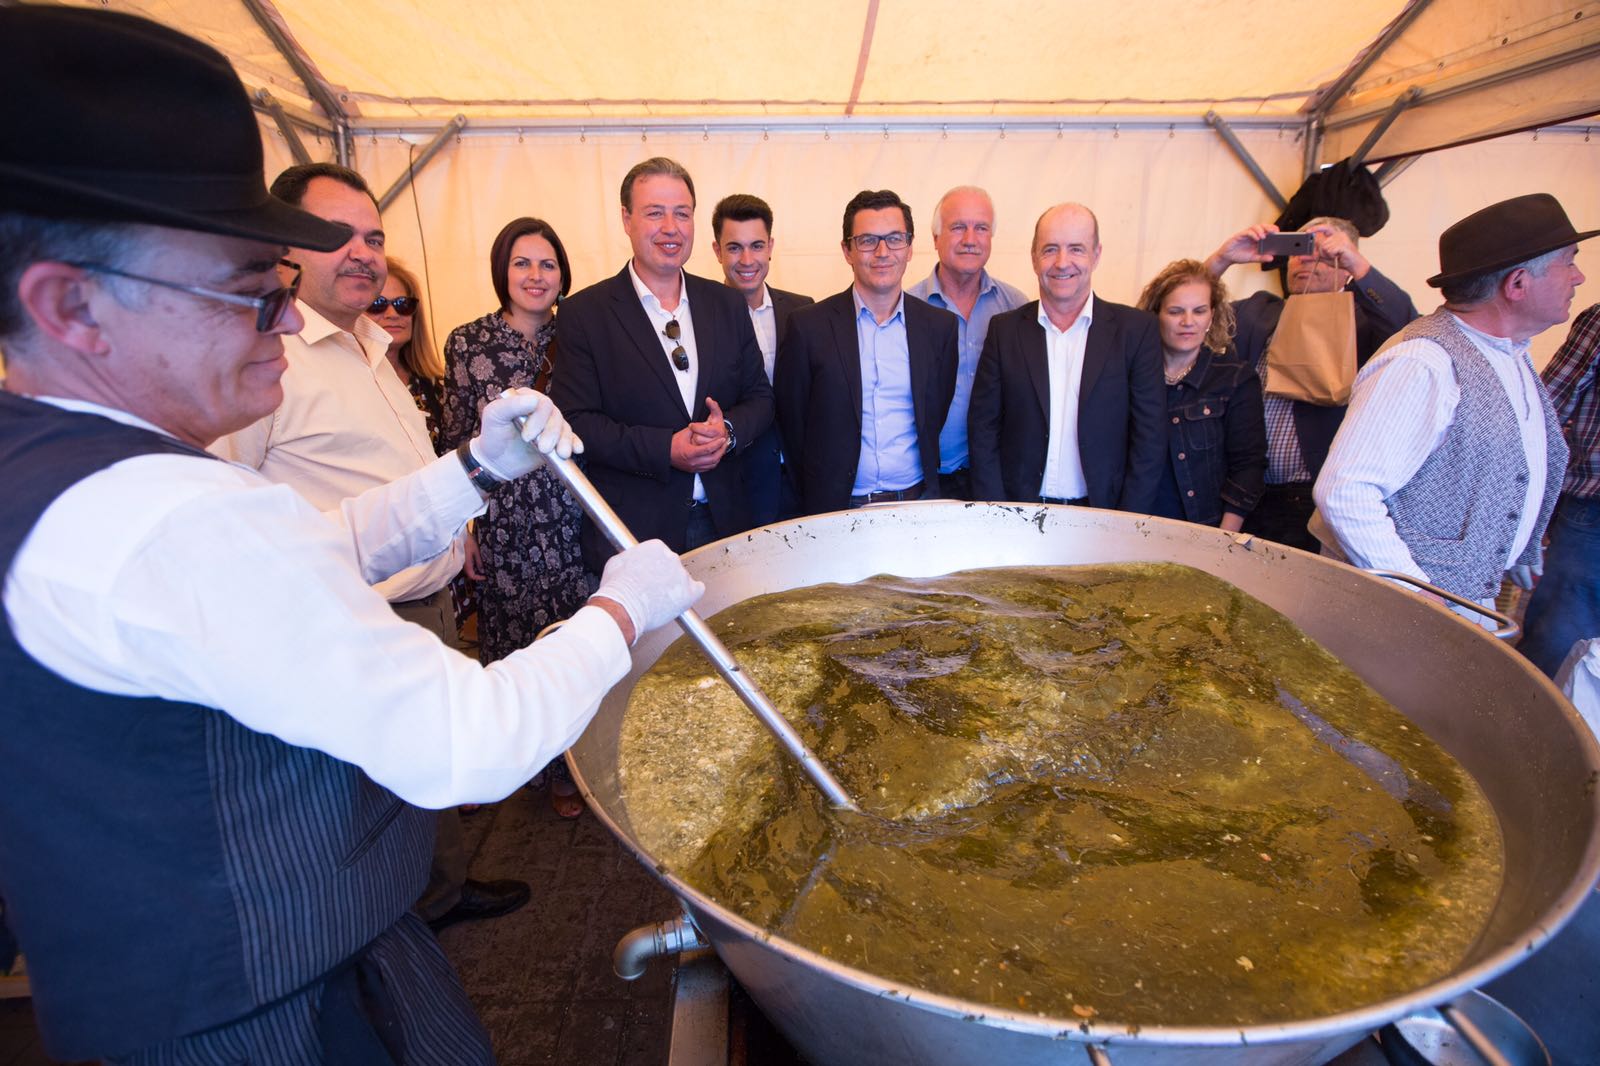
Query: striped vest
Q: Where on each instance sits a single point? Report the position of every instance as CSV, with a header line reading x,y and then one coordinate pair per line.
x,y
165,869
1459,513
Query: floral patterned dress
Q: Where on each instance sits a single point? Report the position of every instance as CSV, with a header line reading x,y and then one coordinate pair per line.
x,y
528,538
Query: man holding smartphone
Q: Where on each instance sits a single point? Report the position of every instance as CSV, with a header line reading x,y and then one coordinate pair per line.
x,y
1299,433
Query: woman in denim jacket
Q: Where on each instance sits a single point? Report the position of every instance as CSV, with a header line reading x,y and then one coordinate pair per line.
x,y
1216,434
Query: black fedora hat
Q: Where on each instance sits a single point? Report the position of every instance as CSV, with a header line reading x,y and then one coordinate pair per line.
x,y
1504,234
110,117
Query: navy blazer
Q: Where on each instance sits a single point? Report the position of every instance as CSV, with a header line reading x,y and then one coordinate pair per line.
x,y
1122,408
1382,308
618,389
762,473
817,386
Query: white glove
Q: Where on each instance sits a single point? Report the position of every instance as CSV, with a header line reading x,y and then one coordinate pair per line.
x,y
650,583
1522,574
509,448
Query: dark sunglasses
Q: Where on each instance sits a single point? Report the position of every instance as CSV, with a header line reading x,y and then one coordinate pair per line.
x,y
404,306
680,358
269,308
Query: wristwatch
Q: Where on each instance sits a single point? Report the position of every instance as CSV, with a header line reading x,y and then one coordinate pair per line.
x,y
485,481
733,438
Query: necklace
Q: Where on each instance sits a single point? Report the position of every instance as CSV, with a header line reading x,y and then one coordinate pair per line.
x,y
1173,379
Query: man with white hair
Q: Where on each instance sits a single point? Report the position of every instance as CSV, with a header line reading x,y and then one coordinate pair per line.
x,y
963,237
214,729
1450,460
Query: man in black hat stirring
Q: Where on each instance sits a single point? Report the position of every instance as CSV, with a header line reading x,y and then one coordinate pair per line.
x,y
210,718
1450,461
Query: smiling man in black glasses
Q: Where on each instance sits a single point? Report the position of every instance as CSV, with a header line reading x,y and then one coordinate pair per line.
x,y
864,378
212,729
662,377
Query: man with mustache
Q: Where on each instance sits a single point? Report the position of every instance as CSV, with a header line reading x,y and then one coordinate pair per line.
x,y
347,424
1448,465
963,235
1068,403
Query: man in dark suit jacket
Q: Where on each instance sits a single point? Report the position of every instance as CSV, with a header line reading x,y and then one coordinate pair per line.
x,y
660,374
864,378
741,237
1299,434
1068,404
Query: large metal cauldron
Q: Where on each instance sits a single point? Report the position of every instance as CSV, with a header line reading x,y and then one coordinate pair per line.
x,y
1504,721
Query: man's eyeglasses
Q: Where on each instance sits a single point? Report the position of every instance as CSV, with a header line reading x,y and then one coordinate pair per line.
x,y
680,358
270,308
404,306
868,242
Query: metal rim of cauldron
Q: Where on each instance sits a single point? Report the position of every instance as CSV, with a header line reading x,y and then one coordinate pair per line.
x,y
1109,1031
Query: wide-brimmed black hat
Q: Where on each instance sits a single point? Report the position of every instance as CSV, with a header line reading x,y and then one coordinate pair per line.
x,y
110,117
1504,234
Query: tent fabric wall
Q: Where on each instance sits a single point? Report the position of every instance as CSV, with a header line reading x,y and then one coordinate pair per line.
x,y
1159,196
1483,68
433,58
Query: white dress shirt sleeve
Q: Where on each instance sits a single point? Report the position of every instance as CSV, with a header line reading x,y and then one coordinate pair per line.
x,y
198,581
1401,407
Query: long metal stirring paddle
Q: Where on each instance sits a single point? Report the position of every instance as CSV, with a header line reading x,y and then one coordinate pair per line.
x,y
595,506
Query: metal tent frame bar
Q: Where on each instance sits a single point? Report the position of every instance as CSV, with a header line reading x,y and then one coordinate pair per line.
x,y
1231,139
316,89
433,148
1311,124
270,105
828,124
1316,121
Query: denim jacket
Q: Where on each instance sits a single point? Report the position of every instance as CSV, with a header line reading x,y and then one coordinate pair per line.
x,y
1217,437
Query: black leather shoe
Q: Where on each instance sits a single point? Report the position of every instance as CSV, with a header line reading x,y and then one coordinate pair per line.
x,y
483,899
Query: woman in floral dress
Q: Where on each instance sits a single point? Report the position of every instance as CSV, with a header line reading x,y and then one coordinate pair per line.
x,y
527,541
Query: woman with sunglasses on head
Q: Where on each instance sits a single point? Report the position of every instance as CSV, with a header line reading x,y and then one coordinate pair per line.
x,y
529,564
398,309
1216,433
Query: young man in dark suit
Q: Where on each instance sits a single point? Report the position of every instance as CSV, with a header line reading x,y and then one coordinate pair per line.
x,y
1068,404
662,379
864,378
741,237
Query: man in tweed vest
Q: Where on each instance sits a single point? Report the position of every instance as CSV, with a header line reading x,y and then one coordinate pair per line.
x,y
1450,460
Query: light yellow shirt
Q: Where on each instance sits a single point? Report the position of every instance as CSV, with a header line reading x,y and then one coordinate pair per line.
x,y
347,424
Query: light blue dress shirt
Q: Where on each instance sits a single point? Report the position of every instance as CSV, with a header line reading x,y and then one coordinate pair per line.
x,y
889,457
994,296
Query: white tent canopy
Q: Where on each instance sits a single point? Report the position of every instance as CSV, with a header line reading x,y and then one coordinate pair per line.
x,y
805,103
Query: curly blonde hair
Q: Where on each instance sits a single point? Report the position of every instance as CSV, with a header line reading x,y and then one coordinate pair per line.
x,y
1181,272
